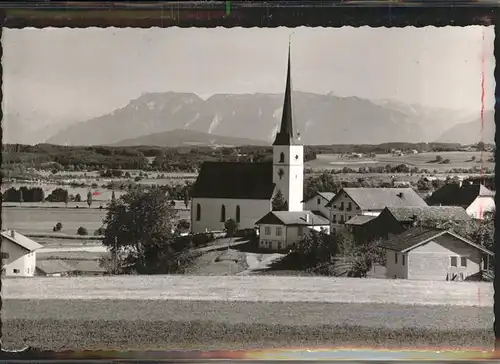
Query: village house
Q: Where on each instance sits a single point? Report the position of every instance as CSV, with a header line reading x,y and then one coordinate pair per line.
x,y
18,254
244,191
435,255
283,230
350,202
476,199
395,220
317,204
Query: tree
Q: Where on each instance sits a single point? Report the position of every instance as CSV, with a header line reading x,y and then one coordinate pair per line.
x,y
89,198
113,197
186,198
21,198
279,203
82,231
140,228
78,198
66,198
439,158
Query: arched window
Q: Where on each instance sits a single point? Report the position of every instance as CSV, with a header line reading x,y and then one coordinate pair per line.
x,y
223,214
282,157
198,212
238,213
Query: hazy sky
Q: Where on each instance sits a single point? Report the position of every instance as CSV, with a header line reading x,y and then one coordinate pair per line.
x,y
81,73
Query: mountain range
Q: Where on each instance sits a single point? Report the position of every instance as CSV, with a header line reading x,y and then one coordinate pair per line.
x,y
159,118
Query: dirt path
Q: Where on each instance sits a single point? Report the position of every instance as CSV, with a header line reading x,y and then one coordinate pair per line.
x,y
258,262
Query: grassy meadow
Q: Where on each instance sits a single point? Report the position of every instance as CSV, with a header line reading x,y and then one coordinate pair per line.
x,y
174,312
419,160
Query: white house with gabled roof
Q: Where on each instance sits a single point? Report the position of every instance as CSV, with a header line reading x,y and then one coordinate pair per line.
x,y
18,254
317,203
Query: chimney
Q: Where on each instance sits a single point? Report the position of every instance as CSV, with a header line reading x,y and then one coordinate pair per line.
x,y
400,194
12,233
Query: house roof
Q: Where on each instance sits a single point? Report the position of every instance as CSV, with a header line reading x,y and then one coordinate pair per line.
x,y
292,218
360,219
326,195
319,213
452,194
235,180
407,213
379,198
53,266
87,266
21,240
412,238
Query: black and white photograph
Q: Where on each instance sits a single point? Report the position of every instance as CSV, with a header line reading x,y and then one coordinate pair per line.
x,y
248,188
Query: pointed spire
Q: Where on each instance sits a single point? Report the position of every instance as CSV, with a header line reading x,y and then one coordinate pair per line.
x,y
285,135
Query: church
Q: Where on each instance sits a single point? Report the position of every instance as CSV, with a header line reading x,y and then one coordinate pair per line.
x,y
244,191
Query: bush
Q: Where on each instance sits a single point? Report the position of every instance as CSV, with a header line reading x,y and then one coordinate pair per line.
x,y
82,231
58,227
99,231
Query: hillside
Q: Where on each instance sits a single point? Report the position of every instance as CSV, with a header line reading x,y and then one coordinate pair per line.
x,y
183,137
321,119
470,132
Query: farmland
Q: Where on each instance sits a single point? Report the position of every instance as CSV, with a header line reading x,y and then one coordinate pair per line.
x,y
41,219
243,312
461,160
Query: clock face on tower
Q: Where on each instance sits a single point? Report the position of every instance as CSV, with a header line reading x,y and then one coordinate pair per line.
x,y
297,156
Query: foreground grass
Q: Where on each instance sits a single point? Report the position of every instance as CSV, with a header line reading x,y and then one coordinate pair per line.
x,y
141,325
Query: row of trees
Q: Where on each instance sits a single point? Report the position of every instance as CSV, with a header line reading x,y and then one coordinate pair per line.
x,y
36,194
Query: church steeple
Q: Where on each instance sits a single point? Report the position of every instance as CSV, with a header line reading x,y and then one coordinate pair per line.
x,y
285,135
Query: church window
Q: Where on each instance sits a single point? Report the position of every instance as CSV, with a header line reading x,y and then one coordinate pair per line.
x,y
238,213
198,212
319,200
282,157
223,214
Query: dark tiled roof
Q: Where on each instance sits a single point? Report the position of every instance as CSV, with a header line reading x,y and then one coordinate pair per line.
x,y
435,213
452,194
409,239
292,218
286,135
235,180
379,198
360,219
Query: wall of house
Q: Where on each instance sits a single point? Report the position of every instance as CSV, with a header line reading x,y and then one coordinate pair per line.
x,y
290,236
20,262
432,260
317,203
340,212
378,228
396,265
480,206
210,219
291,183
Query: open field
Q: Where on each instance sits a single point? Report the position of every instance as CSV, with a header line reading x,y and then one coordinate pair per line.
x,y
41,220
204,325
252,288
420,160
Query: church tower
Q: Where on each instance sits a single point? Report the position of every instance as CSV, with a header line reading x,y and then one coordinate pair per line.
x,y
288,154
